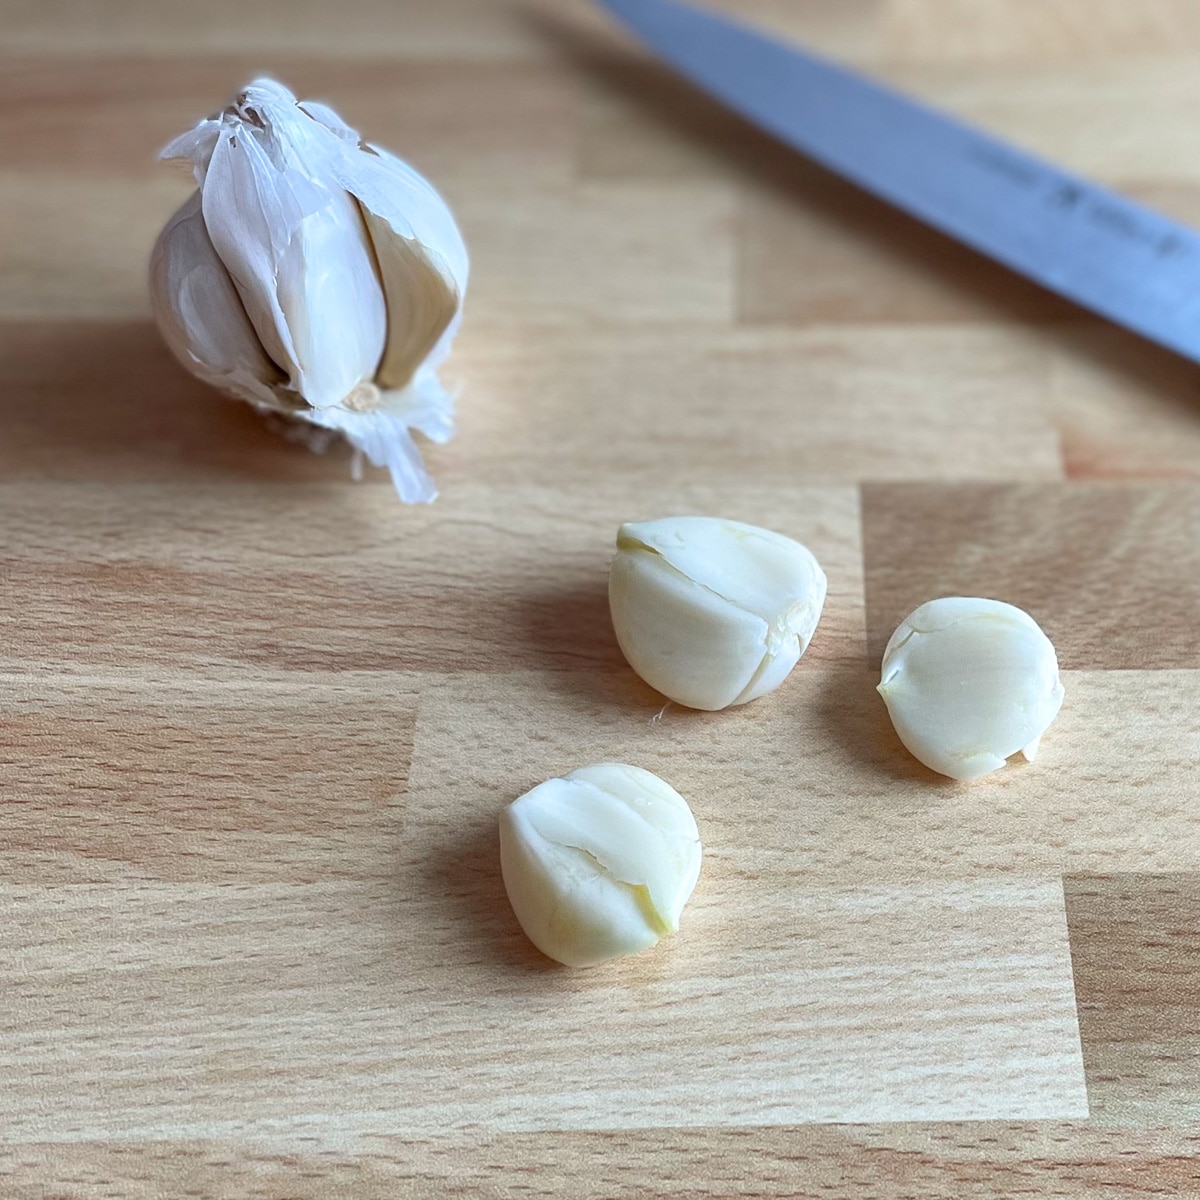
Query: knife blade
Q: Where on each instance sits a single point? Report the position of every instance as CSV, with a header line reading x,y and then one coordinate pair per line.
x,y
1100,249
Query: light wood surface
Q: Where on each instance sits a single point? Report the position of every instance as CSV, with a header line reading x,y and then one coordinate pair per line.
x,y
256,720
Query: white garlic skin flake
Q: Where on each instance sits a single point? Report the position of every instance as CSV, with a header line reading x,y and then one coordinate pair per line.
x,y
710,612
969,682
600,863
313,275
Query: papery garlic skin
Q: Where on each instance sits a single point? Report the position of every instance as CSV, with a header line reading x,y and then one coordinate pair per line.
x,y
201,316
347,267
710,612
600,863
969,682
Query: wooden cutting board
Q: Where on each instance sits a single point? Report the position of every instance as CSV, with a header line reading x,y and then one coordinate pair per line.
x,y
257,720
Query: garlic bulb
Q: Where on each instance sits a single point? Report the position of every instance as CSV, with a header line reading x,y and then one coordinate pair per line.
x,y
599,864
709,612
313,275
970,682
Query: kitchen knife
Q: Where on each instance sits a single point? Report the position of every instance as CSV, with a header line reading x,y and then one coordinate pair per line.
x,y
1108,253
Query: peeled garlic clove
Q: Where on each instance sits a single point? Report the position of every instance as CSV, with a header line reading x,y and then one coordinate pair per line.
x,y
347,264
710,612
600,863
970,682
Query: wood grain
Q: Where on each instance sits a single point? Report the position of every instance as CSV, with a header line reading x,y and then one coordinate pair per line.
x,y
448,30
326,1012
181,780
813,784
1137,978
78,248
1054,32
945,1161
818,250
847,402
571,406
1111,571
141,419
137,104
256,720
1124,409
322,576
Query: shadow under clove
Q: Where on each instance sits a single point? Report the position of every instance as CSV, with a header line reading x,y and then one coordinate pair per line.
x,y
464,880
569,631
107,400
853,718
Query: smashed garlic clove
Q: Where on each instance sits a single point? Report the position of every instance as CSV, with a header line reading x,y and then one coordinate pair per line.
x,y
710,612
600,863
347,264
970,682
